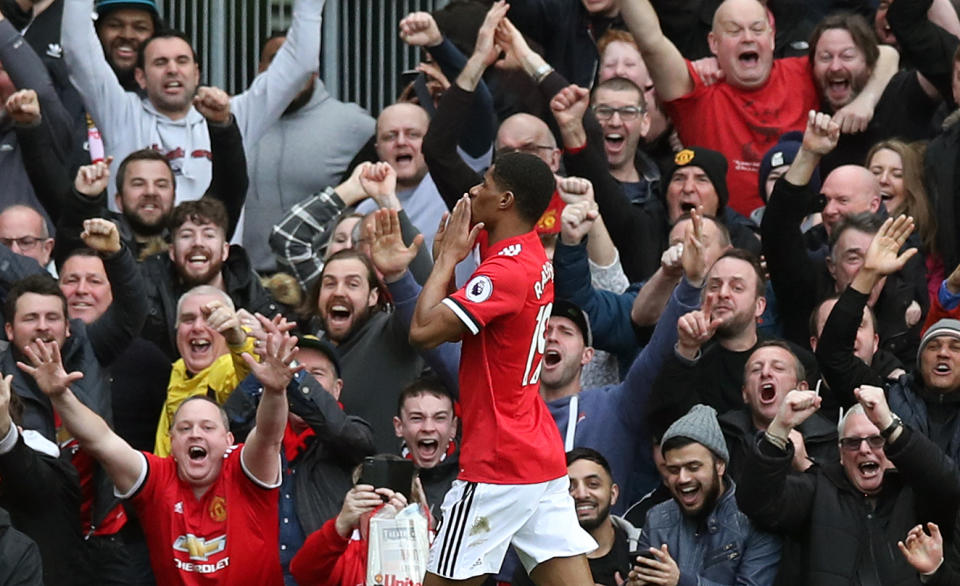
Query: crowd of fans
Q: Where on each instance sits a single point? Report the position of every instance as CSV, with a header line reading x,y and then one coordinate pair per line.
x,y
210,302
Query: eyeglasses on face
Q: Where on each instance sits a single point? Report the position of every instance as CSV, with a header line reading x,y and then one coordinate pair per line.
x,y
852,444
24,243
627,113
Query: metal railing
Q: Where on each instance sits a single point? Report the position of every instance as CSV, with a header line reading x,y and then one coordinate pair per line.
x,y
361,59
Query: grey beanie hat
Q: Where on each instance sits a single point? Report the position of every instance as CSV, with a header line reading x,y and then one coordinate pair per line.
x,y
700,425
943,327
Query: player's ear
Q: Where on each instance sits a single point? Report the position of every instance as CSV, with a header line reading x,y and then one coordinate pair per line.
x,y
506,200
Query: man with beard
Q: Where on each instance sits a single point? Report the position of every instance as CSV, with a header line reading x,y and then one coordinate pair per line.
x,y
145,181
702,517
849,512
308,149
168,72
198,255
844,53
594,492
352,309
715,341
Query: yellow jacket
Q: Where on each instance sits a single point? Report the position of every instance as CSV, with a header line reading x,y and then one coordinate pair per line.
x,y
222,377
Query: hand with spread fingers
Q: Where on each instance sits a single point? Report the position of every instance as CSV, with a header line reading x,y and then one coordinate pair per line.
x,y
276,367
388,252
883,256
924,552
46,368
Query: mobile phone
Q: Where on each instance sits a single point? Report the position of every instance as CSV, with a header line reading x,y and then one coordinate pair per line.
x,y
397,475
643,553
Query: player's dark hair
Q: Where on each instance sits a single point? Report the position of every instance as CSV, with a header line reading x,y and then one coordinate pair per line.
x,y
167,33
425,385
531,181
143,155
40,284
591,455
205,210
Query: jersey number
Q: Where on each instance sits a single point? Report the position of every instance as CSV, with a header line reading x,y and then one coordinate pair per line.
x,y
532,374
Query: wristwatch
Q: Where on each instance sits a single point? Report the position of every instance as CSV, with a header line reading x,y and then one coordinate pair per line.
x,y
895,424
542,72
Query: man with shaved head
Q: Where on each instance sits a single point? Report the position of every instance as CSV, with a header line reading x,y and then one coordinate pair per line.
x,y
805,268
758,100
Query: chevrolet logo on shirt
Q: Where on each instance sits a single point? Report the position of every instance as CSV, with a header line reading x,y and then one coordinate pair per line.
x,y
199,548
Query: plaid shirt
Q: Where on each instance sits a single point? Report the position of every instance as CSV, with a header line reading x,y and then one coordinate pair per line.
x,y
299,237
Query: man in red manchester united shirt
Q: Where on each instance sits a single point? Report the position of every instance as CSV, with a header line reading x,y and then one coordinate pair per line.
x,y
512,486
209,509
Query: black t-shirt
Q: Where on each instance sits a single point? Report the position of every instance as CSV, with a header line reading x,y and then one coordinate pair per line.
x,y
603,569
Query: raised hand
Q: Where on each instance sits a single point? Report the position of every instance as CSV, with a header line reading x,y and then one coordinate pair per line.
x,y
923,552
796,408
379,181
5,389
883,256
91,180
670,261
854,117
875,406
693,259
486,49
434,75
276,367
213,103
821,134
459,237
575,189
569,106
695,328
225,321
46,368
101,235
24,107
419,29
576,221
388,252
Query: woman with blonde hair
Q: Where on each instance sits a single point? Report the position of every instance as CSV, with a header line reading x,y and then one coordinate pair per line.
x,y
898,167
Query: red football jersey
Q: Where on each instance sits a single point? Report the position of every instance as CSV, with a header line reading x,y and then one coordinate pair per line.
x,y
229,536
509,436
744,125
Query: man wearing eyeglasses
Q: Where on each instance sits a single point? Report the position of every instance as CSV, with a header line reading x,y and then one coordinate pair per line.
x,y
850,513
24,231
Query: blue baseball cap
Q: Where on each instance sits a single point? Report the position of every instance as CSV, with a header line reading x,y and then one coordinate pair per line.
x,y
103,6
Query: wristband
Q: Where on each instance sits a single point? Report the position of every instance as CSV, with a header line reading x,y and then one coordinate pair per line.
x,y
776,440
542,72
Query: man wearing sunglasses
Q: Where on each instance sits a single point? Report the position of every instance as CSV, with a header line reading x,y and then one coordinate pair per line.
x,y
849,513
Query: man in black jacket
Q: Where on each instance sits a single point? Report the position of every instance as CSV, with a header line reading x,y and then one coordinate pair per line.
x,y
199,255
850,512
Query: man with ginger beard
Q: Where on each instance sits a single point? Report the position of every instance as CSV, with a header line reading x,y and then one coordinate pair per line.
x,y
199,254
885,468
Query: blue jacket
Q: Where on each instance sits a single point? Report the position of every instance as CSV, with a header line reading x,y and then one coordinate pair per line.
x,y
613,419
731,550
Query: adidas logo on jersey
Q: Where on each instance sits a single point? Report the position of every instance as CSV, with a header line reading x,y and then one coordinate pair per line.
x,y
512,250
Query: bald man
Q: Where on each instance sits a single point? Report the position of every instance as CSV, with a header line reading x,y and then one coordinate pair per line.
x,y
758,100
798,262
